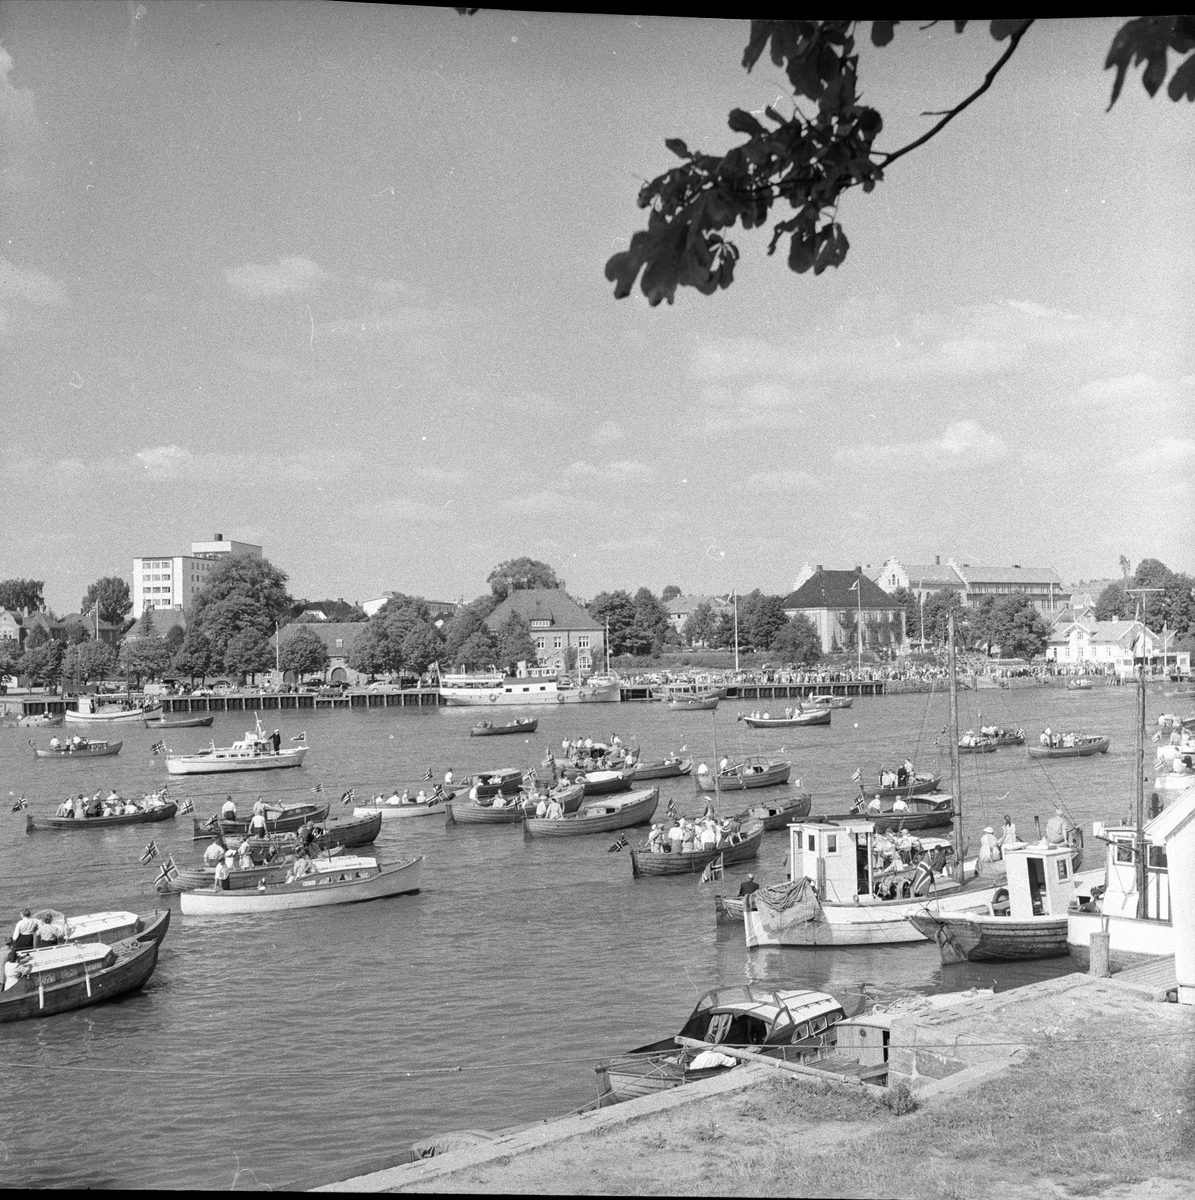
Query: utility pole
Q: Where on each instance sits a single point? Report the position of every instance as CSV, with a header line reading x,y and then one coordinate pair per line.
x,y
736,632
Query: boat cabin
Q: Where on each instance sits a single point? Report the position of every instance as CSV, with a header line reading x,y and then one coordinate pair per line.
x,y
1041,882
58,964
842,859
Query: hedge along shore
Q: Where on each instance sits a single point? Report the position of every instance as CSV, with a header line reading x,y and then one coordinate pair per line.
x,y
1071,1087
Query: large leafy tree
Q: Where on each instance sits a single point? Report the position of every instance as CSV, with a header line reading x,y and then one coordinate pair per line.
x,y
247,653
303,652
242,595
145,657
761,618
521,574
479,651
699,626
670,593
651,624
465,622
617,609
382,645
1018,628
112,594
1113,603
828,145
514,643
16,594
41,659
10,657
422,646
85,661
938,607
907,598
194,656
797,642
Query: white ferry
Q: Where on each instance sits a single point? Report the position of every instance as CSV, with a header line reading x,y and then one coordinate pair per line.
x,y
493,688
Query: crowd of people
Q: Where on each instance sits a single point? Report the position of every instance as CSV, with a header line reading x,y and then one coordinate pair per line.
x,y
82,808
689,836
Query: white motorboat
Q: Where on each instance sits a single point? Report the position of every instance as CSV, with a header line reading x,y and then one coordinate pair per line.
x,y
493,688
91,713
254,752
340,880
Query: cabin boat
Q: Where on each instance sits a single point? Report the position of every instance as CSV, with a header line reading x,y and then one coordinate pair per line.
x,y
702,702
663,768
796,1025
1026,919
493,688
91,712
833,897
746,773
779,813
108,927
602,783
507,780
254,752
78,748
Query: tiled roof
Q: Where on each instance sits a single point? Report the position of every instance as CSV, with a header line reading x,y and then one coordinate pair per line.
x,y
833,589
977,573
543,604
935,575
328,632
1108,633
682,606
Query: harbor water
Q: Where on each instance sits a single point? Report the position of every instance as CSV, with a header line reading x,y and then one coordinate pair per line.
x,y
276,1051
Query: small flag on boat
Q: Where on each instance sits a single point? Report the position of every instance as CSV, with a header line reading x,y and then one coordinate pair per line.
x,y
149,853
712,871
185,807
1157,737
319,787
671,813
300,737
166,870
428,773
618,845
348,797
158,748
857,777
20,804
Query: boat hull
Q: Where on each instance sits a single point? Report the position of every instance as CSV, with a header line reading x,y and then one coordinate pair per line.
x,y
704,704
104,751
813,716
981,937
624,813
605,783
390,811
486,730
498,696
123,717
312,891
1097,746
39,720
287,822
645,864
913,820
73,824
771,776
225,763
662,770
179,722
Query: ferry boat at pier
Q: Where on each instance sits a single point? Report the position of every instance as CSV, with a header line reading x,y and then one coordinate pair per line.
x,y
493,688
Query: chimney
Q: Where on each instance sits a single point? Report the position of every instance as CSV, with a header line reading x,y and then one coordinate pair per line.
x,y
937,560
819,568
858,570
219,537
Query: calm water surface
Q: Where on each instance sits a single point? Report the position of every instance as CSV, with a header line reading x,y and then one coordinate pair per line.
x,y
278,1051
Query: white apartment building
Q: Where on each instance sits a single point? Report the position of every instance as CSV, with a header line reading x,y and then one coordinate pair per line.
x,y
171,582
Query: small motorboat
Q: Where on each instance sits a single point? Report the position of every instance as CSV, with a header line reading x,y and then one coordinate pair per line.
x,y
778,813
338,880
104,926
1073,745
792,719
254,752
509,810
284,819
741,847
75,975
91,712
1079,685
489,729
396,806
971,743
151,808
914,814
746,773
702,702
662,768
825,700
78,747
603,783
179,722
35,720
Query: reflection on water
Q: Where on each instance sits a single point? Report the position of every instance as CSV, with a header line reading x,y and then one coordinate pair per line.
x,y
272,1051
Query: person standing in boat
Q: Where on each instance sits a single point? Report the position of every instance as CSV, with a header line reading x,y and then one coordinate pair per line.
x,y
213,854
1008,835
222,873
747,890
229,811
276,741
989,848
24,931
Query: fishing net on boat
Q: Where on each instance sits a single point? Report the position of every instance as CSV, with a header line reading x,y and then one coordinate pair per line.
x,y
798,899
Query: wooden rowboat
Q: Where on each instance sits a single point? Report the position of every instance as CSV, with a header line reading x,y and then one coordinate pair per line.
x,y
1083,747
487,729
624,812
779,813
749,773
922,785
40,719
979,746
62,978
603,783
340,881
430,806
922,812
812,716
664,768
83,750
177,722
163,812
284,820
643,862
479,812
693,703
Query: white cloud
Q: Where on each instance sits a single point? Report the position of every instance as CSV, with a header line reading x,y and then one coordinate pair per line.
x,y
778,482
293,274
619,470
1166,454
606,434
21,133
1137,394
33,287
962,441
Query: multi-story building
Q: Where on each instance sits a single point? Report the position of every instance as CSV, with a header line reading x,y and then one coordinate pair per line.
x,y
839,603
172,582
680,608
1115,645
975,582
557,622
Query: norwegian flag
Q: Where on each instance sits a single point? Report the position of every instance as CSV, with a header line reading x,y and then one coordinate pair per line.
x,y
318,789
185,807
348,797
20,804
300,737
619,845
857,777
149,853
167,871
158,748
428,773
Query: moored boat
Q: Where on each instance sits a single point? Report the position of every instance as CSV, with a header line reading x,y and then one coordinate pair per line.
x,y
78,748
746,773
825,700
1076,745
150,809
35,720
662,768
284,819
91,713
623,812
254,752
793,718
105,927
743,846
338,880
494,688
776,814
603,783
179,722
507,810
62,978
489,729
704,702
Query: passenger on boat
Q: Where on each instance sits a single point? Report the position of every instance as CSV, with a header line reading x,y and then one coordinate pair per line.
x,y
223,870
259,806
24,930
129,808
48,934
905,846
541,809
14,969
655,840
276,741
245,858
555,810
709,834
676,835
1056,828
1045,737
902,776
448,778
95,806
989,848
258,826
213,854
900,804
1008,835
54,743
66,808
876,805
229,811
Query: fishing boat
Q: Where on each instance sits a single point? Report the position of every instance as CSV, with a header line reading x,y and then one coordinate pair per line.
x,y
662,768
825,700
105,927
744,847
623,812
179,722
603,783
1078,745
839,885
254,752
791,720
779,813
152,808
489,729
283,819
746,773
1025,919
35,720
494,688
90,712
62,978
795,1025
78,748
922,784
703,702
338,880
505,810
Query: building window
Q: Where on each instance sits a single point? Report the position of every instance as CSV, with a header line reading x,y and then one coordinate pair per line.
x,y
541,643
557,642
583,642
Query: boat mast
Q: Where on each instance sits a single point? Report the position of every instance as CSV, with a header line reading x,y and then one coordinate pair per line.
x,y
955,777
736,630
1142,874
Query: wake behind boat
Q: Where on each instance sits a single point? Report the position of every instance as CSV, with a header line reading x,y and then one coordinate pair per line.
x,y
254,752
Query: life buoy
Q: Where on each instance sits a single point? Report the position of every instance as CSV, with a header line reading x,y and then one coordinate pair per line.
x,y
559,698
1000,896
494,698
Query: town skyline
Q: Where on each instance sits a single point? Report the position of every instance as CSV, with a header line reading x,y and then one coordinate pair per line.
x,y
328,278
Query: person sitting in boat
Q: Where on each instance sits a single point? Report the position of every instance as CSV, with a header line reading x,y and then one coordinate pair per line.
x,y
448,778
555,810
48,933
14,969
129,808
900,804
906,844
245,858
876,805
76,741
213,854
54,743
541,808
1056,828
229,811
95,806
66,808
302,866
1045,737
989,848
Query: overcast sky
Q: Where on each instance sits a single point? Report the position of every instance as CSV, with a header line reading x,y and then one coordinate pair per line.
x,y
329,278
